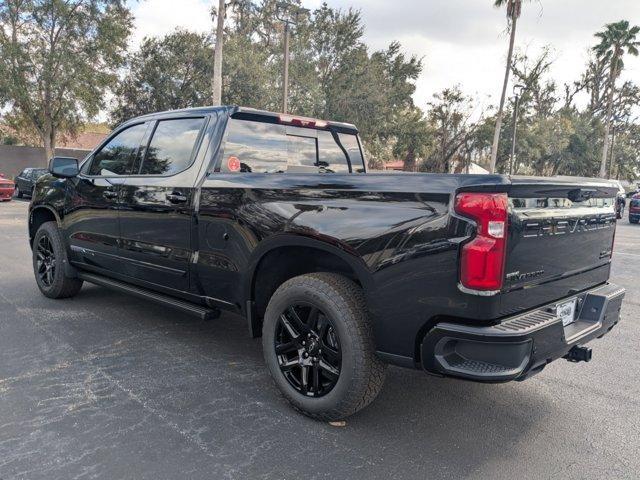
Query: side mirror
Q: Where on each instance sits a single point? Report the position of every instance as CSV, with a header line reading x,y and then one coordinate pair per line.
x,y
64,167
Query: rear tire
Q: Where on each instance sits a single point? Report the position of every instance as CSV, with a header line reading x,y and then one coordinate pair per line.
x,y
49,260
337,322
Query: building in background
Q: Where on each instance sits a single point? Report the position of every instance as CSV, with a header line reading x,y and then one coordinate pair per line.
x,y
18,153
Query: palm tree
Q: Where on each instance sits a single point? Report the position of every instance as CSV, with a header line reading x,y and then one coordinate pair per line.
x,y
615,40
514,9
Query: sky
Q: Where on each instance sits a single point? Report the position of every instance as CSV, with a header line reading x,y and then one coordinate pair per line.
x,y
461,42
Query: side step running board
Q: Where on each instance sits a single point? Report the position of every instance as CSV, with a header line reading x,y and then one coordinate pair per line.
x,y
199,311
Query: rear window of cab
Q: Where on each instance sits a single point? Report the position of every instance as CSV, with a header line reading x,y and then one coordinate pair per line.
x,y
260,147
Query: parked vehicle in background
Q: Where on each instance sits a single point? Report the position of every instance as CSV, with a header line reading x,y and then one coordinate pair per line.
x,y
621,200
26,181
7,188
634,209
481,277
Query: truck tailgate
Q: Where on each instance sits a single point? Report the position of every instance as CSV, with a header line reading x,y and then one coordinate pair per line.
x,y
559,233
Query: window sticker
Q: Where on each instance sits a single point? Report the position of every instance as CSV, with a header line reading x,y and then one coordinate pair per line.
x,y
233,164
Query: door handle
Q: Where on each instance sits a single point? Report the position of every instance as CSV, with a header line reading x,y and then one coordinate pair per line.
x,y
176,198
110,194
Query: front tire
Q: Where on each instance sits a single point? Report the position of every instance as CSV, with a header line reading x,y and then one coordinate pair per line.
x,y
49,259
318,346
19,193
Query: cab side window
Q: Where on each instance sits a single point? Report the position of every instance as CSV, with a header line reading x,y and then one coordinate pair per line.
x,y
117,156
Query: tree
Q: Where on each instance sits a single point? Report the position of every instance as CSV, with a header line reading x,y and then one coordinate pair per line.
x,y
449,118
57,60
165,74
413,138
514,10
332,72
615,40
626,159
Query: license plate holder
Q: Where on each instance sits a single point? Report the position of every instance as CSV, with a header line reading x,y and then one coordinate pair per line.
x,y
567,311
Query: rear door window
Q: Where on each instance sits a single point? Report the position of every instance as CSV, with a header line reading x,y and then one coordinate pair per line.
x,y
117,156
260,147
172,146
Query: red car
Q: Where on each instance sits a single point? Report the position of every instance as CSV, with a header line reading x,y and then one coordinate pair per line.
x,y
7,188
634,209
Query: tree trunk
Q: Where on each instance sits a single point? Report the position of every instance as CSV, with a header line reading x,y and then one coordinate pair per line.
x,y
49,142
613,145
607,129
217,56
496,134
410,161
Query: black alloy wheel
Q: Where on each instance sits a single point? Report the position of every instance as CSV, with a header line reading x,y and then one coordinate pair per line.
x,y
45,261
308,350
50,263
318,345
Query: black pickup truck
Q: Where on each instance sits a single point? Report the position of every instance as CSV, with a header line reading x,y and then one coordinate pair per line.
x,y
275,217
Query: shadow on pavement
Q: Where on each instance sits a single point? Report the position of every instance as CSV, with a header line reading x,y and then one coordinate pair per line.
x,y
209,377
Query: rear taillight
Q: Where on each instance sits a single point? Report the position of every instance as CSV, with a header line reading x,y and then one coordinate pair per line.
x,y
482,259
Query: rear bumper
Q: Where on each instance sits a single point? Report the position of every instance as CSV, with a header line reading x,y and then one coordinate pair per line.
x,y
522,345
634,215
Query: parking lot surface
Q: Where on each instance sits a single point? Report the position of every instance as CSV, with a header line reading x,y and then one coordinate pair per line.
x,y
109,386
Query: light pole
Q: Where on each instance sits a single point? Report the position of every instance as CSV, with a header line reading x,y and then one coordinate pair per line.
x,y
518,90
217,56
289,15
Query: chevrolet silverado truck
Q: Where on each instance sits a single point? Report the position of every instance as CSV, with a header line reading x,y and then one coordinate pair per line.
x,y
341,271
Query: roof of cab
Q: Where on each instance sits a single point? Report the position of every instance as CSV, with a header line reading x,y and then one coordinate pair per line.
x,y
231,110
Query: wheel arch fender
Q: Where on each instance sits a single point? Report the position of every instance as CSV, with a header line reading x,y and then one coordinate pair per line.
x,y
40,214
347,255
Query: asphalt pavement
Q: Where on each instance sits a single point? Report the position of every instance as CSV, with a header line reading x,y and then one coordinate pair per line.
x,y
105,385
